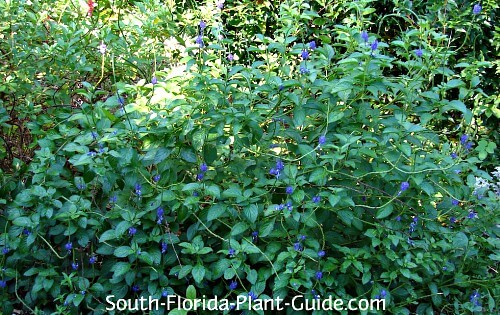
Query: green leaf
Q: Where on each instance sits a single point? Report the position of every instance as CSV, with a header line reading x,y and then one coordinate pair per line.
x,y
22,221
199,139
209,153
460,240
123,251
107,235
251,212
188,155
215,211
239,228
120,268
198,273
213,190
385,211
318,176
346,216
191,292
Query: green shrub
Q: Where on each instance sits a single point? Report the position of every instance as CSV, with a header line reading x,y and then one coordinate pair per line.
x,y
357,166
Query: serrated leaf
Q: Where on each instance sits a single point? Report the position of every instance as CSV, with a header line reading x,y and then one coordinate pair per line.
x,y
251,212
123,251
198,273
120,268
215,211
385,211
191,292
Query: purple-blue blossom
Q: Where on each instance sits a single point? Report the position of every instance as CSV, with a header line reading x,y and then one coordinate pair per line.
x,y
319,275
364,36
316,199
132,230
476,9
312,45
289,190
321,254
233,285
374,45
304,54
419,52
321,140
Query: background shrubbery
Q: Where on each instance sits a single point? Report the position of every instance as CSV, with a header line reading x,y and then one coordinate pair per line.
x,y
269,148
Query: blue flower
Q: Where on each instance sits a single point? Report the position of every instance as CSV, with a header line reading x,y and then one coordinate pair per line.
x,y
203,25
252,295
74,266
472,214
289,190
316,199
92,260
474,298
26,231
476,9
135,288
321,254
302,237
303,70
164,247
233,285
220,4
364,36
132,230
319,275
3,283
453,220
154,80
304,54
200,176
255,236
94,135
404,186
463,139
203,167
279,207
164,293
454,202
453,155
5,250
289,206
68,246
138,189
312,45
230,57
297,246
321,140
398,218
469,145
231,252
156,178
199,40
419,52
383,293
374,45
159,215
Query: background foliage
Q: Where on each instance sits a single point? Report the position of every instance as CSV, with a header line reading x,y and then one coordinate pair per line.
x,y
145,153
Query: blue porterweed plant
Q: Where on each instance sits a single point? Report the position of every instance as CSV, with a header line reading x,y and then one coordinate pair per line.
x,y
184,192
289,190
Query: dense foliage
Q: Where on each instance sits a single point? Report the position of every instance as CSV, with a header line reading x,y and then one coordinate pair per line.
x,y
264,148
